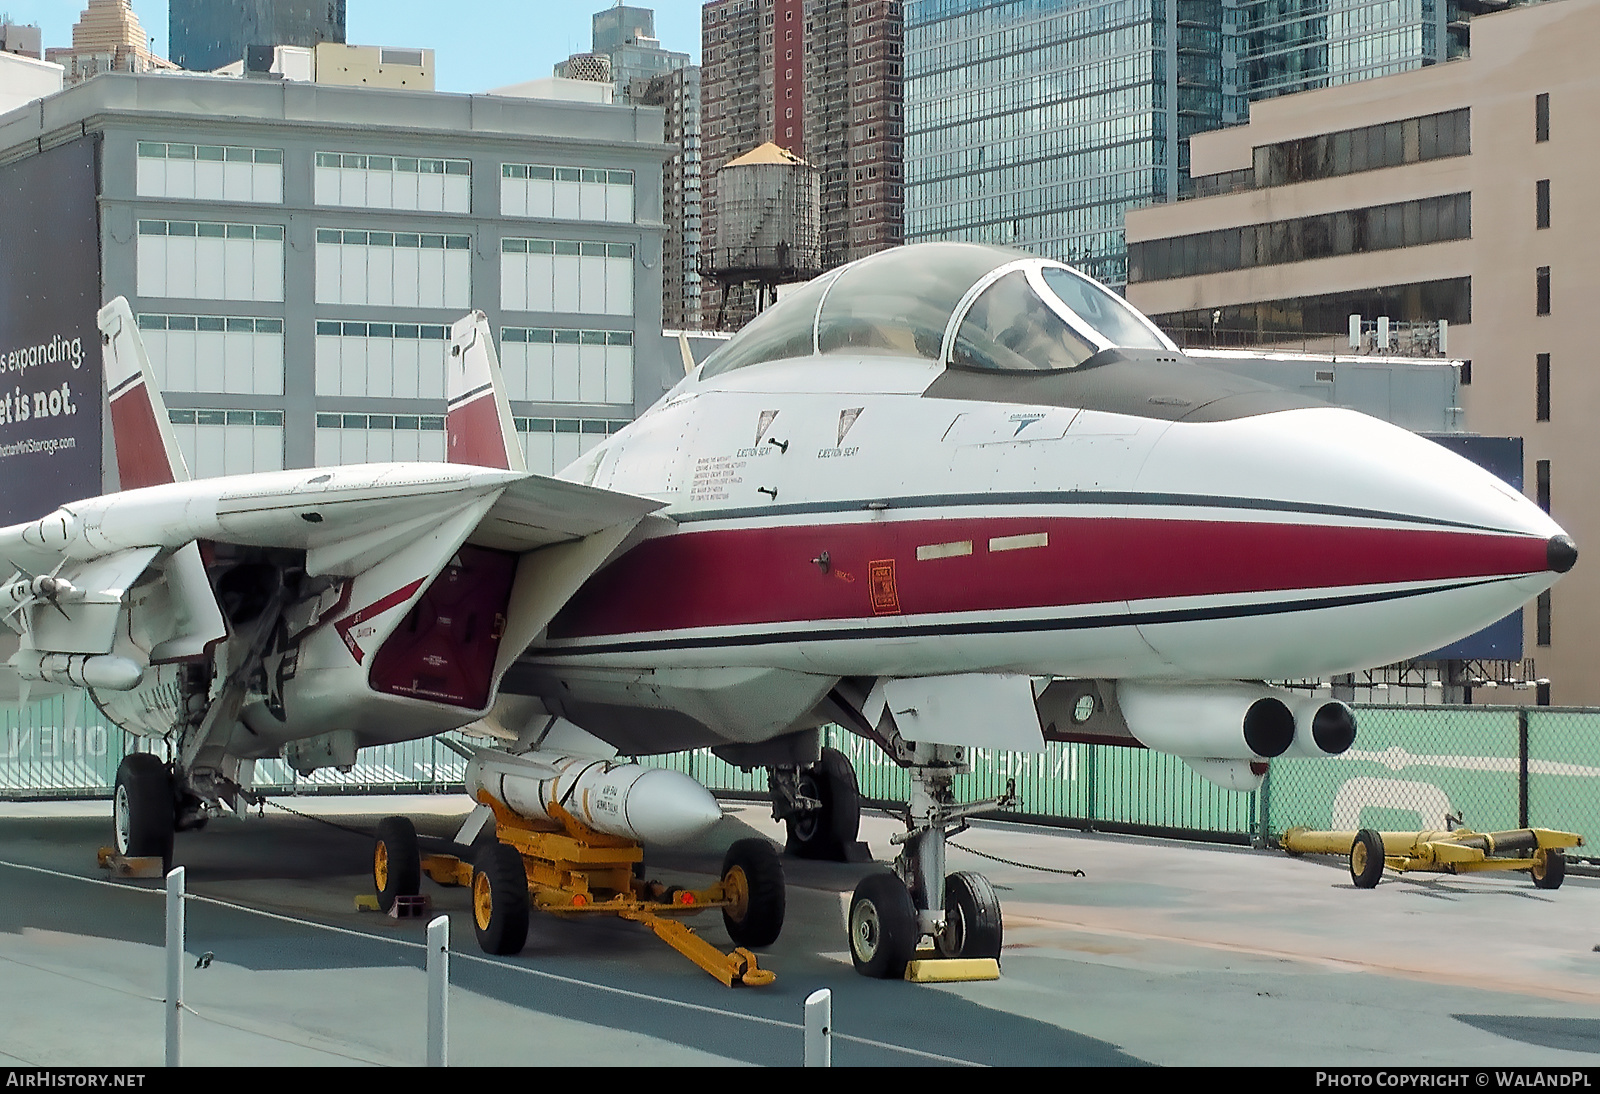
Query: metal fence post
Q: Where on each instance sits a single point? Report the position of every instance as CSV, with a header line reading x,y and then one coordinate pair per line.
x,y
175,959
439,992
1265,830
819,1028
1092,794
1522,767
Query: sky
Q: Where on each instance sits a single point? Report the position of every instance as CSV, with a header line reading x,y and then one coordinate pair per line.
x,y
484,44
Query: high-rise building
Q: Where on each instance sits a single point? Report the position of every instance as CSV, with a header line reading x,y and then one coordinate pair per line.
x,y
678,94
1040,125
1456,192
106,38
821,79
204,35
626,54
1283,46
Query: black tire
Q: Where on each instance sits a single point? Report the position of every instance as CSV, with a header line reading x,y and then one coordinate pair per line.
x,y
827,833
143,809
1366,859
396,861
500,900
752,870
882,927
973,925
1552,873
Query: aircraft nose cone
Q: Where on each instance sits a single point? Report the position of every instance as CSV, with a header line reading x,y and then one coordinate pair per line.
x,y
1560,553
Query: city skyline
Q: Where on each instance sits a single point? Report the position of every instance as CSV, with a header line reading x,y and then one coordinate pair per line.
x,y
497,61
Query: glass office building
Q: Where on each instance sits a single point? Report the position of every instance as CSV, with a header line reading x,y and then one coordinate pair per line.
x,y
1038,123
1282,46
204,35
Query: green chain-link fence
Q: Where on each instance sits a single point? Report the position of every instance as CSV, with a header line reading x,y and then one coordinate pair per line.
x,y
1495,767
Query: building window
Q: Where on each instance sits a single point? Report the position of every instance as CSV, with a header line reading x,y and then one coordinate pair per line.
x,y
1541,118
1541,291
546,365
379,438
1541,619
229,442
197,260
549,444
394,269
209,172
381,360
1542,388
566,193
1541,204
562,275
410,183
1541,480
240,355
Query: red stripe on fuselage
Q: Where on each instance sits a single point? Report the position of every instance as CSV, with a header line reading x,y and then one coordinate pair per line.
x,y
473,433
748,576
141,453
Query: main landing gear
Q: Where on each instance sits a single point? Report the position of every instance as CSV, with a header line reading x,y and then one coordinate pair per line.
x,y
820,804
890,913
144,809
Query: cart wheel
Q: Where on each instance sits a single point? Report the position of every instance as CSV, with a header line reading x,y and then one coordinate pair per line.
x,y
753,876
1549,868
1366,859
396,862
500,900
883,927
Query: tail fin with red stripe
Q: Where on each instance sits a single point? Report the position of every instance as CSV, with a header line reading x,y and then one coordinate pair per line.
x,y
147,450
478,424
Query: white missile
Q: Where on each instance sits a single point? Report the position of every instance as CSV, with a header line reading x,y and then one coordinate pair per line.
x,y
79,670
648,804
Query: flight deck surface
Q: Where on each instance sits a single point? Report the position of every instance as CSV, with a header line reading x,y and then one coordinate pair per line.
x,y
1164,953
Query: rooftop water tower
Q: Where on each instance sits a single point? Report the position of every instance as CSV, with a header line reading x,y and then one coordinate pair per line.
x,y
769,213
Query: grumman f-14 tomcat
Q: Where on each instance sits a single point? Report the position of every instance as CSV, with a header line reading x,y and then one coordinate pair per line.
x,y
941,496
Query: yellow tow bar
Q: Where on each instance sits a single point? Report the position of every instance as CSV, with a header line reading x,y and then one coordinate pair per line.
x,y
1460,851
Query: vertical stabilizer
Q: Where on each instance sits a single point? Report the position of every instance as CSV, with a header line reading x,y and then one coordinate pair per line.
x,y
478,425
147,451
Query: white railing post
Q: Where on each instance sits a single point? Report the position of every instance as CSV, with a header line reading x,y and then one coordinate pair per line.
x,y
819,1028
439,992
175,959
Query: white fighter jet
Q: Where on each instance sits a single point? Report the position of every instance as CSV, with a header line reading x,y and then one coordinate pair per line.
x,y
942,496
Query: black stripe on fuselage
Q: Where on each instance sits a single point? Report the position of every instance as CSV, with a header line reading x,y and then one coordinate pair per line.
x,y
467,396
1007,626
1070,497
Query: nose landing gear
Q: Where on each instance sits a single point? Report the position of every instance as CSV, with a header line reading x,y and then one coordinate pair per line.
x,y
890,913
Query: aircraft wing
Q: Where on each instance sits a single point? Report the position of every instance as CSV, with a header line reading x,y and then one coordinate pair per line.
x,y
537,511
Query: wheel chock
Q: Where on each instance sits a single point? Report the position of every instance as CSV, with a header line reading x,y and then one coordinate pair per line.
x,y
951,970
366,902
124,866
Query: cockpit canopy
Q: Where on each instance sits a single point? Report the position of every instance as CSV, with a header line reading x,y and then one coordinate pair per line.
x,y
965,305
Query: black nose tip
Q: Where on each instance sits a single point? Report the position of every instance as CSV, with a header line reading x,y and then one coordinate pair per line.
x,y
1560,554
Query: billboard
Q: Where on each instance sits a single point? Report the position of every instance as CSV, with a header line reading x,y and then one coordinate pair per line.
x,y
50,368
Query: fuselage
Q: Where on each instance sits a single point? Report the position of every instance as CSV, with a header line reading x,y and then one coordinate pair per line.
x,y
834,516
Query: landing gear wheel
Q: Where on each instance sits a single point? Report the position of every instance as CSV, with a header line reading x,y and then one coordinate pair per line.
x,y
883,927
1366,859
143,811
826,833
396,861
972,924
1549,869
500,900
753,876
